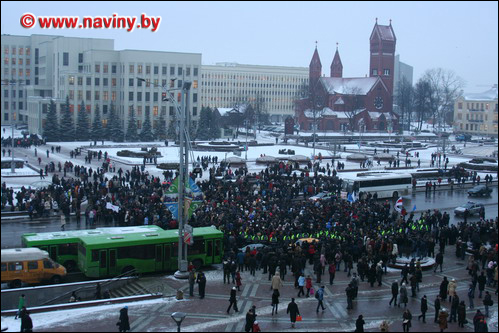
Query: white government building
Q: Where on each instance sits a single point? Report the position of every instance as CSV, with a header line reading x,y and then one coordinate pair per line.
x,y
38,68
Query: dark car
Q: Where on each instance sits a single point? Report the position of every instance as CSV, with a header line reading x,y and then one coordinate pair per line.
x,y
480,191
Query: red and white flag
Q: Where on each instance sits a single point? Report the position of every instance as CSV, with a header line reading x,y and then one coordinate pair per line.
x,y
398,205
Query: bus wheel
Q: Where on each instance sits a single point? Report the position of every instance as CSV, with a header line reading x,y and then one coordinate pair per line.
x,y
395,195
16,284
198,263
70,265
56,279
127,269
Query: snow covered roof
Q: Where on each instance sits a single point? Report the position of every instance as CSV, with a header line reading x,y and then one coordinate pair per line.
x,y
376,115
348,86
488,95
225,111
326,112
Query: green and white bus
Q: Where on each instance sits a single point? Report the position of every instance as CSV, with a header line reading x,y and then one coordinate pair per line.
x,y
109,255
62,246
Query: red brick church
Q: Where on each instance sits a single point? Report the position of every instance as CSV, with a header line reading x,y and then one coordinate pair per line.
x,y
343,104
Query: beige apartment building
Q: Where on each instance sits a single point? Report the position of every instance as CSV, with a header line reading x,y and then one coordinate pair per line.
x,y
477,114
226,84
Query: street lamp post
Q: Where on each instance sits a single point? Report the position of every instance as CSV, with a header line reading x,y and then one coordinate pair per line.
x,y
184,142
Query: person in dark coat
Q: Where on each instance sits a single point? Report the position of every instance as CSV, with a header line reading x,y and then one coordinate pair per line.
x,y
26,322
424,308
293,311
233,300
359,324
123,323
395,292
443,289
461,314
201,280
437,307
250,319
407,317
275,300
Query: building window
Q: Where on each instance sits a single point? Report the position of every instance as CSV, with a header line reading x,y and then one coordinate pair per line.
x,y
65,59
155,110
156,70
148,69
131,69
386,72
80,58
374,72
130,96
163,70
130,82
195,71
97,81
179,71
460,106
113,69
171,111
97,68
139,69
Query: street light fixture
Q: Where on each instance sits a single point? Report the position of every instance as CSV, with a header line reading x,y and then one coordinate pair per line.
x,y
178,317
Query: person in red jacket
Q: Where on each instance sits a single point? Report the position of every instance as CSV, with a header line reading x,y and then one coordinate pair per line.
x,y
256,327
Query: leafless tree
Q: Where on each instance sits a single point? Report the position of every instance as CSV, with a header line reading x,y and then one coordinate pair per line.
x,y
445,87
405,101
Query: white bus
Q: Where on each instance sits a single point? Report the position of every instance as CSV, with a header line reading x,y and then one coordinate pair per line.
x,y
385,184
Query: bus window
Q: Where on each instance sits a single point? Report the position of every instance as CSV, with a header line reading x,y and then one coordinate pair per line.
x,y
112,258
68,249
217,247
209,250
158,253
53,252
4,267
95,255
15,266
103,257
32,265
48,264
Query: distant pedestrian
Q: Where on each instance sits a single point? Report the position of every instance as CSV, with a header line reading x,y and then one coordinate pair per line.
x,y
442,320
439,261
276,282
395,292
201,280
21,304
238,280
359,324
192,281
250,319
256,327
308,284
437,305
301,284
63,222
461,314
403,295
124,322
424,308
384,326
350,294
293,312
275,301
233,300
319,295
487,301
407,317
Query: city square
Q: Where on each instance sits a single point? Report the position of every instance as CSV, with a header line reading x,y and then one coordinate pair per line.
x,y
149,188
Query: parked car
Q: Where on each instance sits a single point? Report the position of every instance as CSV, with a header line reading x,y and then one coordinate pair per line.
x,y
480,191
321,196
471,207
463,137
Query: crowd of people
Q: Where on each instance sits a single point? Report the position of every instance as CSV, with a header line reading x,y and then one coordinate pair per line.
x,y
272,207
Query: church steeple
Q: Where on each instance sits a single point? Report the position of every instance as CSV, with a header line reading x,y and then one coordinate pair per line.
x,y
336,65
315,69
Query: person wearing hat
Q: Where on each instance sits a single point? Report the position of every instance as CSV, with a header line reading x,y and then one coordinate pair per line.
x,y
256,327
442,319
233,300
123,323
451,289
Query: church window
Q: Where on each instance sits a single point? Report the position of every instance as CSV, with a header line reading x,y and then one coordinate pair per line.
x,y
374,71
386,72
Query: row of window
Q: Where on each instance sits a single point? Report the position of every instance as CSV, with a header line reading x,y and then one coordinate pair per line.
x,y
249,85
386,72
19,266
17,72
476,106
240,77
22,50
16,61
476,127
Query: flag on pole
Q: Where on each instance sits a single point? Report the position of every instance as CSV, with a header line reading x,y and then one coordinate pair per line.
x,y
398,205
351,197
414,208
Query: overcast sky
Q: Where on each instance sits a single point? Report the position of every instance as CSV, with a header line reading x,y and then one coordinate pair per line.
x,y
461,36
